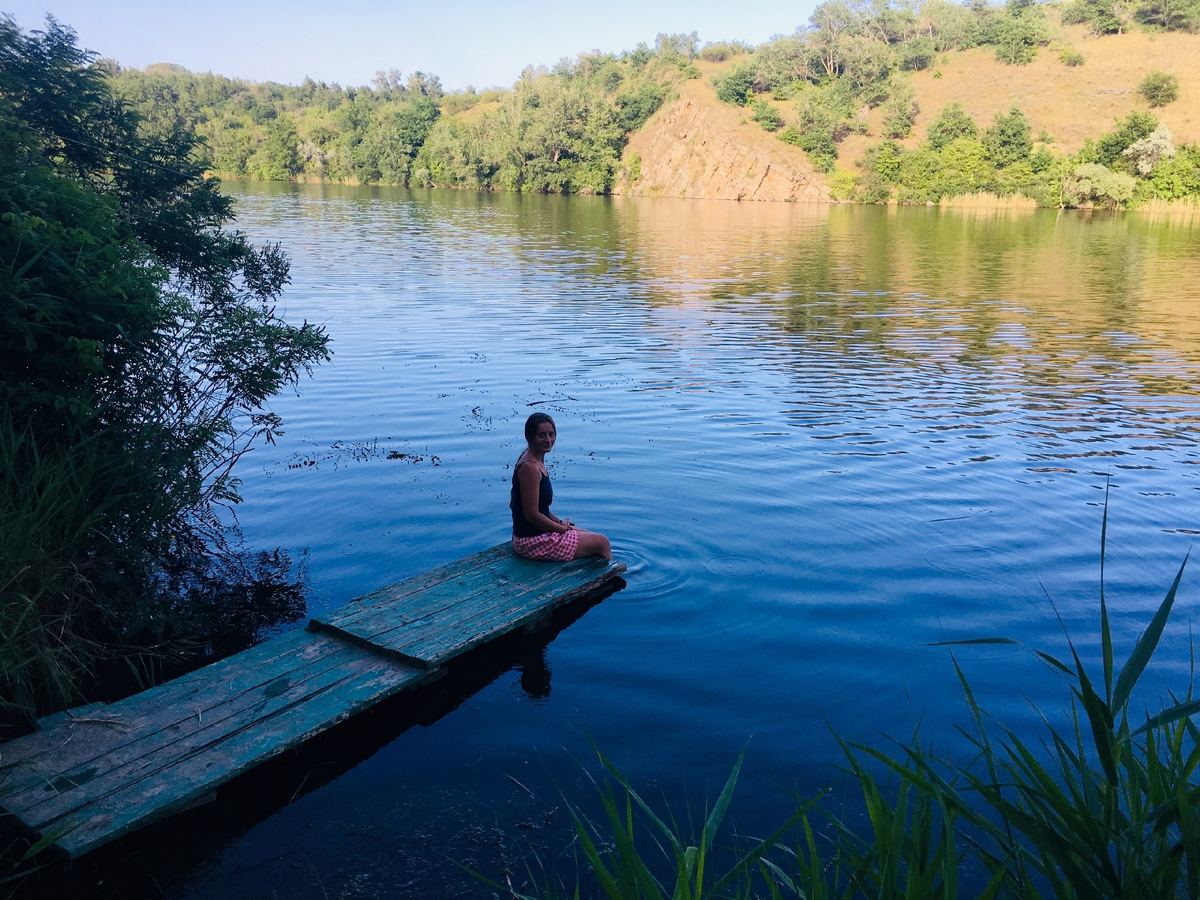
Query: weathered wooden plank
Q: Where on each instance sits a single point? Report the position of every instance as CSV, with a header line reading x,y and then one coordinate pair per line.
x,y
147,799
427,639
447,598
389,595
44,800
75,743
461,593
77,712
409,599
507,600
438,645
165,704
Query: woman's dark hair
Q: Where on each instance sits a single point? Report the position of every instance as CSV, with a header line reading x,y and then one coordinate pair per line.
x,y
532,423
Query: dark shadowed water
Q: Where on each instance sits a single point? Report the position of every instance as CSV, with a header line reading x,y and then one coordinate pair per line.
x,y
821,437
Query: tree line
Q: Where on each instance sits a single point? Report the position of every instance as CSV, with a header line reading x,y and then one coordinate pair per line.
x,y
561,129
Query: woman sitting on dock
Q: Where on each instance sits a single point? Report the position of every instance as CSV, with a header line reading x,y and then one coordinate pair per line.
x,y
537,532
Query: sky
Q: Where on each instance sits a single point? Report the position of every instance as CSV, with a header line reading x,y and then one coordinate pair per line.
x,y
465,42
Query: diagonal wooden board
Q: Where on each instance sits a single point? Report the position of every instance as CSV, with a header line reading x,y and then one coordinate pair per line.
x,y
99,772
435,617
94,778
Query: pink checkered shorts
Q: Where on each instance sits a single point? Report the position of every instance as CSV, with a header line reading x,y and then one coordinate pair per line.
x,y
549,546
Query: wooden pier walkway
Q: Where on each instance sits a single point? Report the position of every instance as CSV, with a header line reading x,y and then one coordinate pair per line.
x,y
95,773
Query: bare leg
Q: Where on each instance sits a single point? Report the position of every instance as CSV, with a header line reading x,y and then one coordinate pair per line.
x,y
592,544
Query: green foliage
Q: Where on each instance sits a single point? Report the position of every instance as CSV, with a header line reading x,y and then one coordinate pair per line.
x,y
1071,59
634,108
277,158
1177,178
918,54
618,856
723,50
1170,15
1159,88
955,26
784,65
737,86
842,184
1101,16
1096,183
556,132
1042,160
1009,139
1016,34
1110,148
951,123
677,46
139,347
767,116
635,168
824,116
960,166
1144,155
900,111
578,115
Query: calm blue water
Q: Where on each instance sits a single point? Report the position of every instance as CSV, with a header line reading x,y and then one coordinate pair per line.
x,y
821,437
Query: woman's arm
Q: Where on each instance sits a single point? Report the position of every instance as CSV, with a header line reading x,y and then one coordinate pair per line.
x,y
531,492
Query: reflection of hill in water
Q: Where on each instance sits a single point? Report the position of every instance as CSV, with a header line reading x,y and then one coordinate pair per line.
x,y
1043,297
1056,296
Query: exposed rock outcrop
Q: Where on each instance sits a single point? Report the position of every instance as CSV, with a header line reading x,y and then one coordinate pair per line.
x,y
697,149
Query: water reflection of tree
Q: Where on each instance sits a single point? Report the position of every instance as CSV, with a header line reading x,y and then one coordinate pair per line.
x,y
1060,296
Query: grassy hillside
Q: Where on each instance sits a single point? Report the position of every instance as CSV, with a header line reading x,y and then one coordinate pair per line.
x,y
1072,102
920,106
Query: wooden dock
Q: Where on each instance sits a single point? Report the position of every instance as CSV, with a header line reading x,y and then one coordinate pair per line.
x,y
96,773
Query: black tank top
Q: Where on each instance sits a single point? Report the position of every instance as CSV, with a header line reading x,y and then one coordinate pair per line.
x,y
522,527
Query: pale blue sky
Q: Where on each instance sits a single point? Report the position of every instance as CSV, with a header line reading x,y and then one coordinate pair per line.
x,y
463,41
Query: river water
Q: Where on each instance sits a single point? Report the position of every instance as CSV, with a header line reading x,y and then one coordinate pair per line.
x,y
822,438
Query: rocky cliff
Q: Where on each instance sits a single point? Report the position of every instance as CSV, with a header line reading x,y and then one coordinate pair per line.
x,y
698,148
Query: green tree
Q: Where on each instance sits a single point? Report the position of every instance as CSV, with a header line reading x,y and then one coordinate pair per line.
x,y
1098,184
954,26
901,110
1110,148
1101,16
1177,178
1017,33
737,85
1159,88
833,21
814,132
951,123
767,116
278,158
1170,15
139,347
918,54
635,107
1144,155
1009,139
965,168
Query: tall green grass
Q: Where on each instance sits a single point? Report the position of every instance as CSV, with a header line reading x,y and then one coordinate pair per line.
x,y
1103,805
50,535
